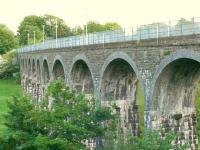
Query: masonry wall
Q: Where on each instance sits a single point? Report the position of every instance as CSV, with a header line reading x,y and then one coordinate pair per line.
x,y
147,58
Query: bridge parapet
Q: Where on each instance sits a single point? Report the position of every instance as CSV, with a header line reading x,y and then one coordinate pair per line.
x,y
150,31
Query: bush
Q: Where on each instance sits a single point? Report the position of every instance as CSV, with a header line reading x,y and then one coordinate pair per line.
x,y
61,121
151,141
8,68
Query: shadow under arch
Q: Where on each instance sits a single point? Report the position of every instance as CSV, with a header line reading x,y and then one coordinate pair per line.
x,y
80,74
174,87
29,68
38,70
58,68
45,71
181,55
118,55
34,73
119,82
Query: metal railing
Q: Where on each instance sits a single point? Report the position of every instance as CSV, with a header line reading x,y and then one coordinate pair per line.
x,y
155,30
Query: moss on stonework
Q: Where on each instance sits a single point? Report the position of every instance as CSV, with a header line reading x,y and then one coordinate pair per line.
x,y
197,106
140,98
166,52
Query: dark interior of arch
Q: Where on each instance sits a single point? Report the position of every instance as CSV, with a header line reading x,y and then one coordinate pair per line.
x,y
81,77
38,71
29,68
24,65
58,70
119,81
46,76
34,69
175,87
120,84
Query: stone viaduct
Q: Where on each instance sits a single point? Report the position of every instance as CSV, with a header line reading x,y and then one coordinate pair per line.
x,y
168,69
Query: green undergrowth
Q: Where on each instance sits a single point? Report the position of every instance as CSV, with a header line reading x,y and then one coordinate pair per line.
x,y
197,105
8,88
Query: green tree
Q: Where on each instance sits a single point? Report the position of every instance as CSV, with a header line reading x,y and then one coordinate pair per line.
x,y
50,27
65,124
7,39
112,26
29,25
184,21
94,26
151,141
77,30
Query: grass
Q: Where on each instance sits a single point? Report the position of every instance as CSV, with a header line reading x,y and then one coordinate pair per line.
x,y
8,88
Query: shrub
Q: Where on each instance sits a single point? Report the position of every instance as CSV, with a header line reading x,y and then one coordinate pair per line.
x,y
8,68
62,124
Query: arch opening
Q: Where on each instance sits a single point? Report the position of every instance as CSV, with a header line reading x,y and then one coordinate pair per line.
x,y
29,68
38,71
34,70
175,87
121,85
58,70
24,67
173,99
45,74
81,77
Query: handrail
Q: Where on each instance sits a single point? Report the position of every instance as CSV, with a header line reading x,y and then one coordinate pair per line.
x,y
155,30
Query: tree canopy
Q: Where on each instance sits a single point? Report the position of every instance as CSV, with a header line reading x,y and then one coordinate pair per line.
x,y
7,39
50,27
29,25
94,26
65,124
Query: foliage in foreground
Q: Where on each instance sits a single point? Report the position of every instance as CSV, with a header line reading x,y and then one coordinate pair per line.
x,y
114,139
9,67
151,141
7,39
64,124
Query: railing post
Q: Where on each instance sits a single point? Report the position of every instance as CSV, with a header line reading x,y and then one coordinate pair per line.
x,y
139,33
103,40
193,26
124,34
181,28
169,29
93,38
157,35
132,33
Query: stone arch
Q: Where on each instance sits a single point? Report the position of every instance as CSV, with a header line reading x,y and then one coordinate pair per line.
x,y
81,76
26,67
38,70
34,73
181,55
21,60
58,68
45,71
29,68
119,83
173,97
118,55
